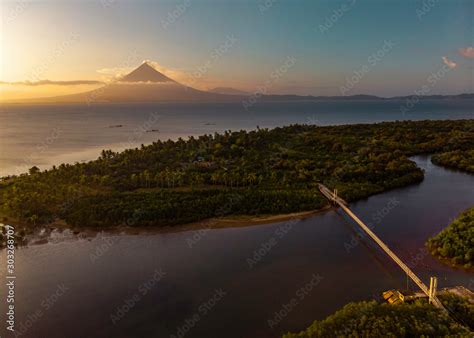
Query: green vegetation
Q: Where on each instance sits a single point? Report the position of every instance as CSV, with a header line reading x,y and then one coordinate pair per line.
x,y
460,308
456,242
457,159
255,173
371,319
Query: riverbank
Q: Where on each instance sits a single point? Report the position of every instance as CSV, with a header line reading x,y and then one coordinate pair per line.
x,y
453,245
26,234
449,262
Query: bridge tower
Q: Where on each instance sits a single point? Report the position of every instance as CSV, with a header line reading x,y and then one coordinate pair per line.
x,y
433,287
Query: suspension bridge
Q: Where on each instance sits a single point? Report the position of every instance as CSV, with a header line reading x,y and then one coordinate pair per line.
x,y
430,292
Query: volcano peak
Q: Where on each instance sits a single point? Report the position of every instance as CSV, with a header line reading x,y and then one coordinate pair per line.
x,y
145,73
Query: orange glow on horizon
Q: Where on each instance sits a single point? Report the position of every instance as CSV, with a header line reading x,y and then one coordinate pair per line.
x,y
22,92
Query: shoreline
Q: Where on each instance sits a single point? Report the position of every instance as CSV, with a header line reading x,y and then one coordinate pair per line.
x,y
242,221
460,227
42,234
448,262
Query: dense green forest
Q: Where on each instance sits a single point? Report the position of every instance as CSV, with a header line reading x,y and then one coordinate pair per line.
x,y
456,242
371,319
243,172
456,159
459,307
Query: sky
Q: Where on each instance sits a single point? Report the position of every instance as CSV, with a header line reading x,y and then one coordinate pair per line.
x,y
379,47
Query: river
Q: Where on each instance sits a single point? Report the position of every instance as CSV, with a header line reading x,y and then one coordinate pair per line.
x,y
232,282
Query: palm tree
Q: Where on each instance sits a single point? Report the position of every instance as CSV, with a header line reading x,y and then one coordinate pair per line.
x,y
251,178
215,177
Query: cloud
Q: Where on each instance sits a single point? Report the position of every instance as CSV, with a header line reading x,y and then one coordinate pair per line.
x,y
449,63
174,74
54,83
467,52
115,72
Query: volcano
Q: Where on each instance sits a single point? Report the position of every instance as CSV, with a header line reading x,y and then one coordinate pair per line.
x,y
146,73
143,84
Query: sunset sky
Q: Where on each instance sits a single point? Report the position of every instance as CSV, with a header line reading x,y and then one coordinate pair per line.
x,y
240,44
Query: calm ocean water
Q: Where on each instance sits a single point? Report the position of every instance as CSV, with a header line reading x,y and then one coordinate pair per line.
x,y
44,135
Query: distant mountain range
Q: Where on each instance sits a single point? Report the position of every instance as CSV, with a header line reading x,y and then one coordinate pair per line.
x,y
146,84
368,97
229,91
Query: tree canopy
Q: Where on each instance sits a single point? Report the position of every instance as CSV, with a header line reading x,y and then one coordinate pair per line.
x,y
371,319
456,159
456,242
